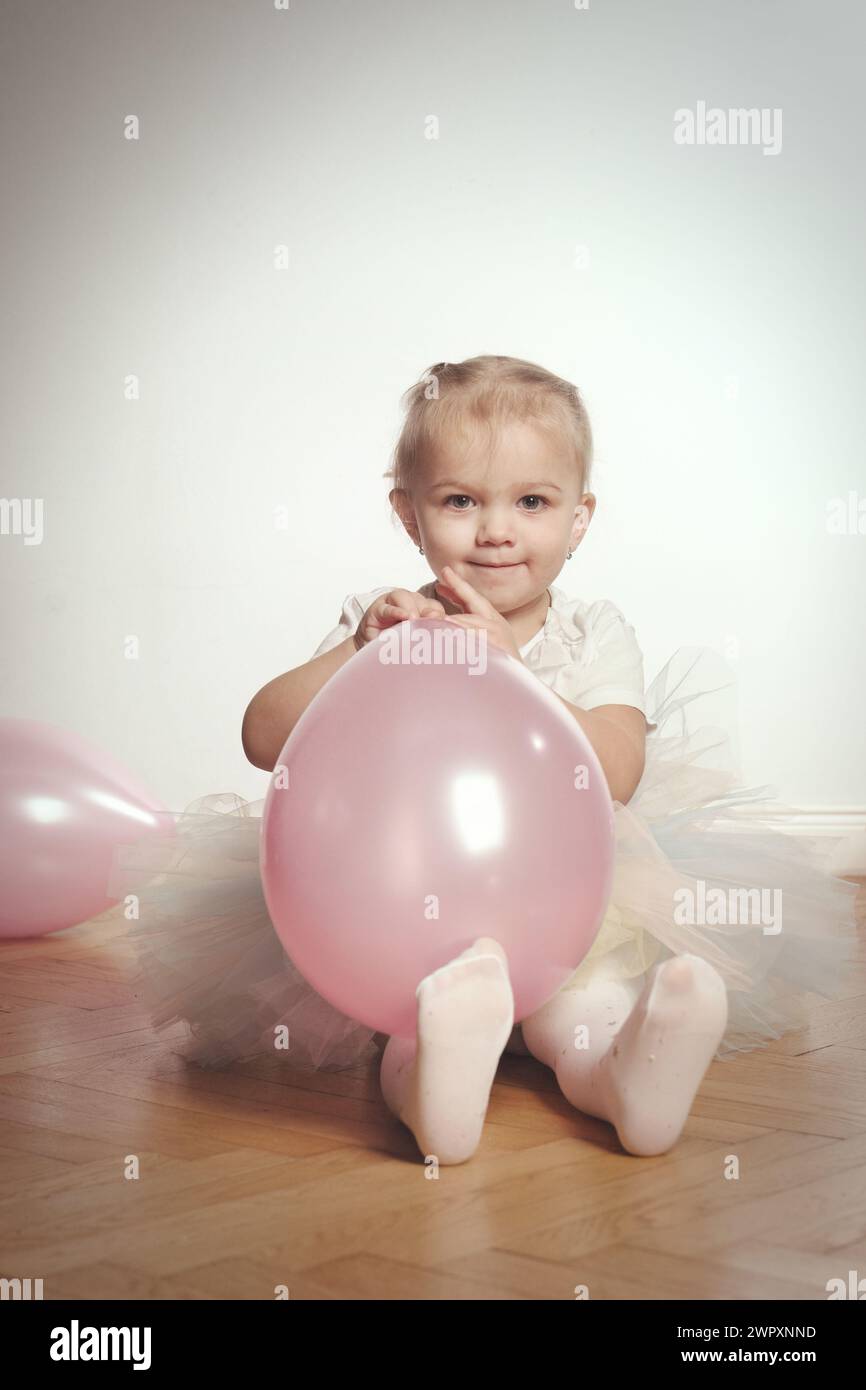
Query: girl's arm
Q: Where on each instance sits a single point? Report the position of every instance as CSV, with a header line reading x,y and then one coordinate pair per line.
x,y
618,736
275,710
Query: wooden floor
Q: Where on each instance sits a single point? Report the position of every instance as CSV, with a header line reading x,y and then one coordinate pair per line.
x,y
250,1180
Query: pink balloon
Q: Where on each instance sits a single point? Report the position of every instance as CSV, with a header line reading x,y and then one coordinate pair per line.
x,y
419,804
65,807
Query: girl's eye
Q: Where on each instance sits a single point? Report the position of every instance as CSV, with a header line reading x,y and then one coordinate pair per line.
x,y
531,496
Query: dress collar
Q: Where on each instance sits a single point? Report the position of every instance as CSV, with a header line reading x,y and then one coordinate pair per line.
x,y
551,621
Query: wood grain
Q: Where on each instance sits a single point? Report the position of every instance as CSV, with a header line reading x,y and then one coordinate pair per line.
x,y
255,1177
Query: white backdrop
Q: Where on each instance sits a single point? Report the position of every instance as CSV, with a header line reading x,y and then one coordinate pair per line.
x,y
447,180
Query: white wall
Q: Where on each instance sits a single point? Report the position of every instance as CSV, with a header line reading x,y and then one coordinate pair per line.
x,y
717,332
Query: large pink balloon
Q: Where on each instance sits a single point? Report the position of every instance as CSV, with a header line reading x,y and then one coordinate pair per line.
x,y
65,807
419,805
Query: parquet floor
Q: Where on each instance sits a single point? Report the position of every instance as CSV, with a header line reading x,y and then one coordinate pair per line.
x,y
250,1179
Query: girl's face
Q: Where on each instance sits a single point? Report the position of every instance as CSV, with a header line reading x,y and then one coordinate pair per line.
x,y
504,522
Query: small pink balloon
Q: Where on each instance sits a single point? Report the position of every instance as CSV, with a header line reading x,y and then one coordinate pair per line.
x,y
65,807
421,802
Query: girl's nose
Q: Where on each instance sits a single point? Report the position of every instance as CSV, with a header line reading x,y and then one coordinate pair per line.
x,y
495,530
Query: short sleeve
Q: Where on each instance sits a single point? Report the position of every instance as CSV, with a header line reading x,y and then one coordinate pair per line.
x,y
610,670
353,610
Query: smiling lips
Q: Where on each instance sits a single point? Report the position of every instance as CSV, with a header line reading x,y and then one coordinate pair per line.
x,y
480,565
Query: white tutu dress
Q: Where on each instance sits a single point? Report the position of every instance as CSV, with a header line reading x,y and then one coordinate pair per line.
x,y
700,867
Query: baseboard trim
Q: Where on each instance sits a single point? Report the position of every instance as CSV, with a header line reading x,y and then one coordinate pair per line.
x,y
836,821
842,829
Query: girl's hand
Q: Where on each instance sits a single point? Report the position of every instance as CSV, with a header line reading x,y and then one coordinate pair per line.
x,y
479,614
395,607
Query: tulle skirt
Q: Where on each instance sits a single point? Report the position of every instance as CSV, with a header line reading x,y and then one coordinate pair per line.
x,y
700,867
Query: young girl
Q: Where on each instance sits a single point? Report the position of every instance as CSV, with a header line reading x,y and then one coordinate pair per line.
x,y
717,920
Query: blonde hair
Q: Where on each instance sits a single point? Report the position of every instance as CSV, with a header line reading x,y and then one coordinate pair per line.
x,y
487,391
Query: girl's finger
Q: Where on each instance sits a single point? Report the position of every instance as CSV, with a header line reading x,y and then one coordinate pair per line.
x,y
467,595
451,594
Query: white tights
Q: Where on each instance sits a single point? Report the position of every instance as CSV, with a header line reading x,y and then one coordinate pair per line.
x,y
632,1052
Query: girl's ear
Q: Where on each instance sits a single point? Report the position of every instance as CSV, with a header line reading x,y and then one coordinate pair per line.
x,y
582,517
402,505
